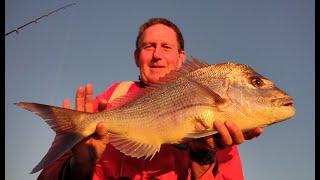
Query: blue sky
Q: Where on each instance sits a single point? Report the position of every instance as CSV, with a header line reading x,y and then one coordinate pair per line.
x,y
93,41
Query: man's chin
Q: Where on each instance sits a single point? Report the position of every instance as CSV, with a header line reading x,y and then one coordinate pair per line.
x,y
151,80
153,77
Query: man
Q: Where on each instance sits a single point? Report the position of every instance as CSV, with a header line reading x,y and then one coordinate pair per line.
x,y
159,50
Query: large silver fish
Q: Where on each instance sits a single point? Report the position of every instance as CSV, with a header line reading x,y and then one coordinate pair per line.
x,y
167,112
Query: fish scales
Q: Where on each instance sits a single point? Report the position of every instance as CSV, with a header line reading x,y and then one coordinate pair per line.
x,y
167,112
155,118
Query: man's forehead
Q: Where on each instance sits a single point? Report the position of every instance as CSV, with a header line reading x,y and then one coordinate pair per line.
x,y
163,42
159,27
161,33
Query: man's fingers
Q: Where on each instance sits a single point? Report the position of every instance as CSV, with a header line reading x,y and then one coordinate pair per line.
x,y
224,132
89,98
101,132
202,143
80,97
84,98
253,133
210,142
235,132
199,126
100,129
102,105
66,103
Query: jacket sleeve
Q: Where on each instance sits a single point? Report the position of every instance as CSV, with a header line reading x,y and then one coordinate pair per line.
x,y
229,164
104,96
208,175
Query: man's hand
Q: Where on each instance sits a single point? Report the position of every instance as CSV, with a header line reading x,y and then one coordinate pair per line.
x,y
229,134
86,153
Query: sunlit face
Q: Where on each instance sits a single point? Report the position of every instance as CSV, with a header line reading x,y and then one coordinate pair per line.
x,y
159,53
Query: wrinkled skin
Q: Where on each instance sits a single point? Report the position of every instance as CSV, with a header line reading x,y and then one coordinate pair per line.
x,y
159,53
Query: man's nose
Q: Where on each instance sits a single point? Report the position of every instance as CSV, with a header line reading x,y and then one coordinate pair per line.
x,y
157,54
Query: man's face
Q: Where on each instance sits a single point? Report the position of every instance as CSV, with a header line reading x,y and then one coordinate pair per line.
x,y
159,53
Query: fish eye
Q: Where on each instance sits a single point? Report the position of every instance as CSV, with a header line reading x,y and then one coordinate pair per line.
x,y
256,82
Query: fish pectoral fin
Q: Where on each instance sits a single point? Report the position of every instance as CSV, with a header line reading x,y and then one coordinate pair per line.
x,y
133,148
199,134
205,93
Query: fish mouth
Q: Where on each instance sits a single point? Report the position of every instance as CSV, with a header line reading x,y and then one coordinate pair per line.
x,y
283,102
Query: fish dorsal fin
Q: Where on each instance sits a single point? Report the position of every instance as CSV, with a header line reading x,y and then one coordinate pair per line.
x,y
188,66
133,148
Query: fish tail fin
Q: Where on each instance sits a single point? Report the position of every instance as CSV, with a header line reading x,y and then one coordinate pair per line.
x,y
64,122
62,143
60,120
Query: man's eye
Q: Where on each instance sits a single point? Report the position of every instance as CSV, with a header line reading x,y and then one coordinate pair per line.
x,y
257,82
147,46
167,47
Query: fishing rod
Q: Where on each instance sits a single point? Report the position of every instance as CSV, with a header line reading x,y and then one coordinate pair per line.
x,y
36,20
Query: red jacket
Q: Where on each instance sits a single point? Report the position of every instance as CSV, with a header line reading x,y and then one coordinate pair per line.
x,y
170,163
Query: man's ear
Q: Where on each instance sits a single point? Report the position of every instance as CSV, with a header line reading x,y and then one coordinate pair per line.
x,y
136,57
182,57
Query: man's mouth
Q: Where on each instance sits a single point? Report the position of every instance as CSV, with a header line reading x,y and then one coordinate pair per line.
x,y
156,66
